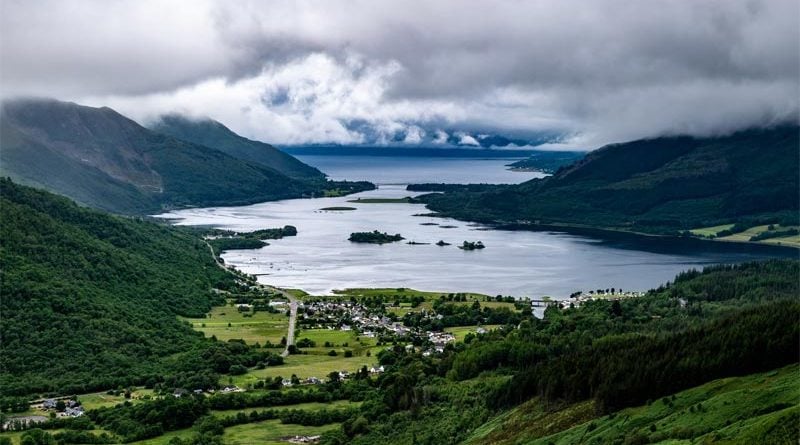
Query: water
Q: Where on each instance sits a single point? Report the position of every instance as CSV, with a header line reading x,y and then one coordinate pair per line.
x,y
410,170
520,263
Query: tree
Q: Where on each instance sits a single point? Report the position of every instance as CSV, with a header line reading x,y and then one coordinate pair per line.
x,y
37,436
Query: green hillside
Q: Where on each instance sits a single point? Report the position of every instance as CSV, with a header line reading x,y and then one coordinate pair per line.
x,y
90,301
601,362
215,135
104,160
758,408
663,185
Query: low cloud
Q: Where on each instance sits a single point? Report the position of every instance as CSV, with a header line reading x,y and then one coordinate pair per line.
x,y
370,71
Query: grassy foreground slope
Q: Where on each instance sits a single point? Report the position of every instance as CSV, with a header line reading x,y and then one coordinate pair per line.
x,y
758,408
663,185
84,293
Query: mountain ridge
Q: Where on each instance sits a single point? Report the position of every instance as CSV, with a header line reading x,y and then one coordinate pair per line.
x,y
661,185
105,160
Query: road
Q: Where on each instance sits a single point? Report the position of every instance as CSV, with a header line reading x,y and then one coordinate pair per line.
x,y
284,293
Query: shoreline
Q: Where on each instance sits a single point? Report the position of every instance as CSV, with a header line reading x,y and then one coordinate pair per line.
x,y
607,232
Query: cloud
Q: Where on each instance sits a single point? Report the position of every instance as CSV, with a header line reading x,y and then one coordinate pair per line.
x,y
309,71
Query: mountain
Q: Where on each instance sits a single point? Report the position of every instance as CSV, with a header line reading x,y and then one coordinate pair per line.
x,y
102,159
661,185
89,300
215,135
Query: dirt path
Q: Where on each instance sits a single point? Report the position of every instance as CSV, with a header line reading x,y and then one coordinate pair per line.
x,y
284,293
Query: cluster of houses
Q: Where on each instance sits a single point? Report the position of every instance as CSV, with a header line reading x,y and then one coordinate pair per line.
x,y
348,316
581,297
72,408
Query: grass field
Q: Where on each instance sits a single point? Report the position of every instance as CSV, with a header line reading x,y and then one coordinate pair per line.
x,y
787,241
102,400
304,406
708,231
260,327
304,366
738,410
461,331
337,339
270,432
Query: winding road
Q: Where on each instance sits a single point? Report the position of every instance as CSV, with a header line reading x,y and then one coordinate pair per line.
x,y
284,293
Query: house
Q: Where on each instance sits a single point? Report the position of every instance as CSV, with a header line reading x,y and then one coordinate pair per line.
x,y
286,382
49,404
180,392
74,412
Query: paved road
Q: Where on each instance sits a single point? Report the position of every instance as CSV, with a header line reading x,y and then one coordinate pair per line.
x,y
287,295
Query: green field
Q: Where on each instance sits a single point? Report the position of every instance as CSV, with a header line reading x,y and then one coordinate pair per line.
x,y
709,231
461,331
259,327
303,406
391,293
745,235
304,366
732,410
103,400
270,432
793,241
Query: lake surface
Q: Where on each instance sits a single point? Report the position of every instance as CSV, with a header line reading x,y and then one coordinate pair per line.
x,y
415,170
519,263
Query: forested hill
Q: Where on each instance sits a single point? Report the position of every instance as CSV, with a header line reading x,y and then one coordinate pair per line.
x,y
215,135
659,185
102,159
89,301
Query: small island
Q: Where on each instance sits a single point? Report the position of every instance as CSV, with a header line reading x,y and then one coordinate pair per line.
x,y
441,243
337,209
469,245
415,243
374,237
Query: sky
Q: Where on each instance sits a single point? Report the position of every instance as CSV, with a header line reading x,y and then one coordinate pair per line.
x,y
415,72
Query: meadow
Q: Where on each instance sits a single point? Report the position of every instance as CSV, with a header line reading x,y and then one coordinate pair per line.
x,y
227,323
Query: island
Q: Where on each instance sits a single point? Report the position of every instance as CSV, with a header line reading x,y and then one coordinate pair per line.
x,y
374,237
469,245
337,209
441,243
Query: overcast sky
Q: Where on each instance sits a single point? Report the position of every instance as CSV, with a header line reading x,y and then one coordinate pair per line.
x,y
297,72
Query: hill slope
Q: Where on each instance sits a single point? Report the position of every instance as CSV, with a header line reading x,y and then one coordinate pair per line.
x,y
84,292
215,135
758,408
657,185
103,159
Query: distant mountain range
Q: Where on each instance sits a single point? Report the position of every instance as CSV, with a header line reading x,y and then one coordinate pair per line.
x,y
661,185
435,139
103,159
